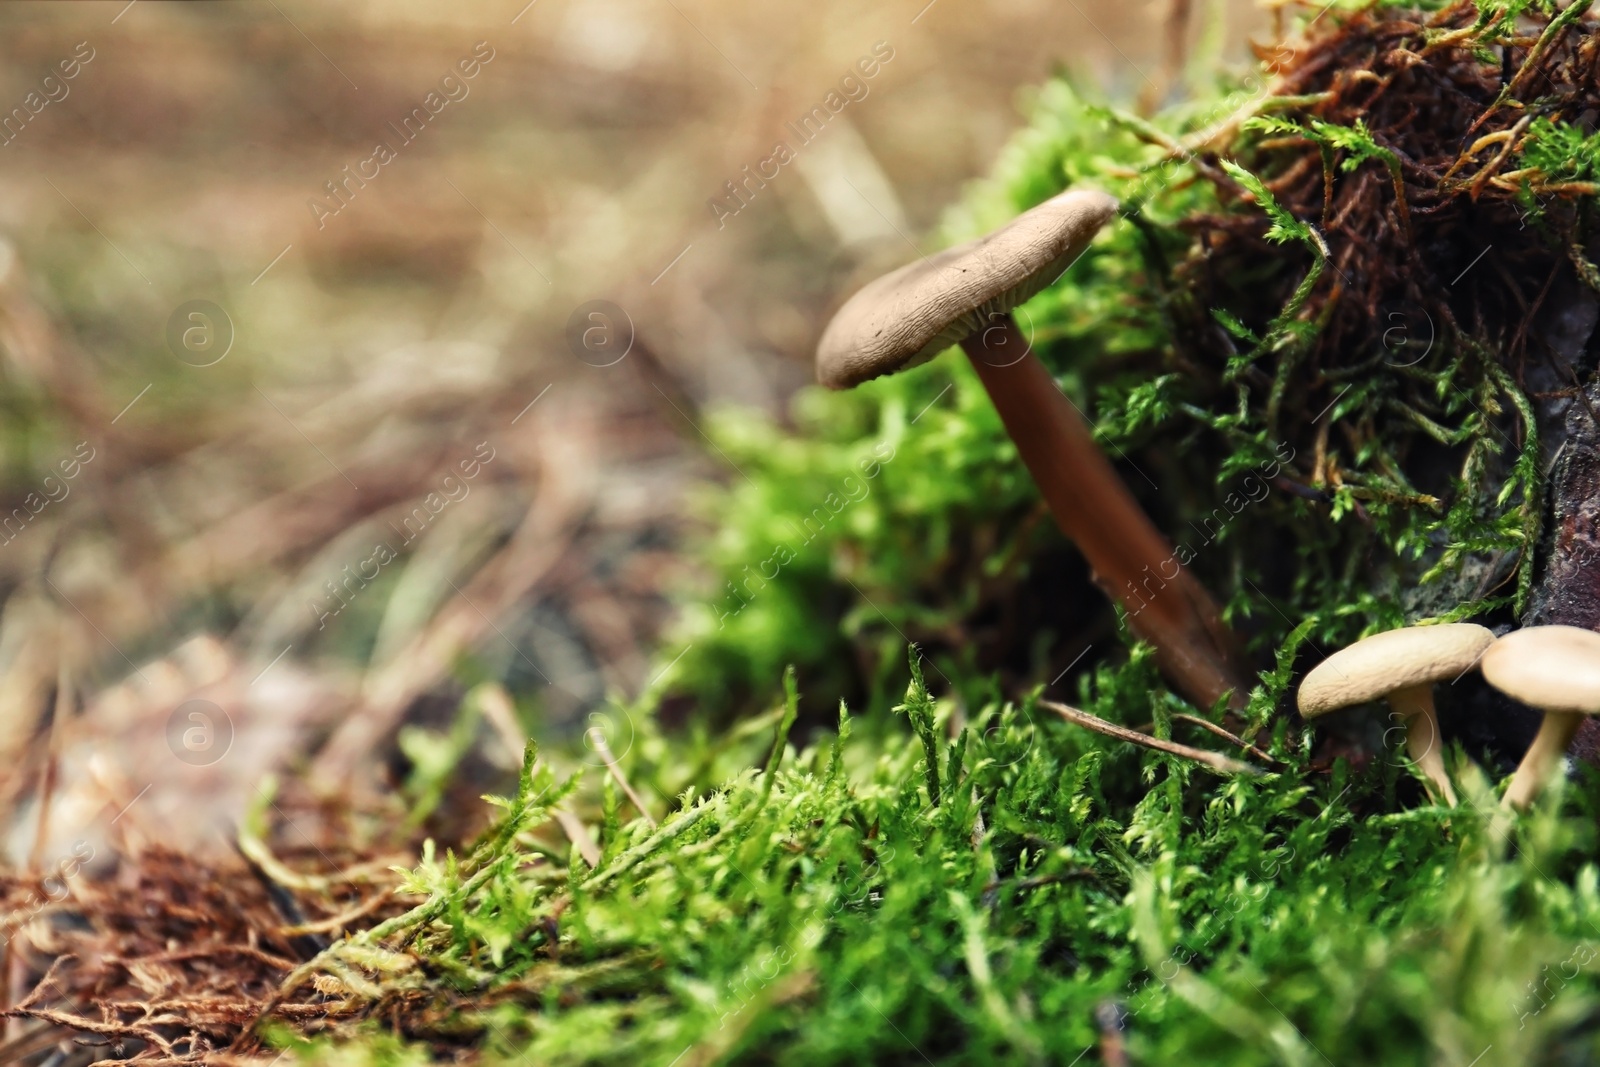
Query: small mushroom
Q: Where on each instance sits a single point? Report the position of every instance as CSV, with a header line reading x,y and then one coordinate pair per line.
x,y
1403,666
1557,670
965,296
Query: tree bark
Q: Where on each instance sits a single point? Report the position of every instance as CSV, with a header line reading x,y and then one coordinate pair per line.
x,y
1567,592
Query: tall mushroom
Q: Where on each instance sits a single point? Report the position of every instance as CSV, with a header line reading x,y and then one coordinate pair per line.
x,y
1555,669
1402,665
965,295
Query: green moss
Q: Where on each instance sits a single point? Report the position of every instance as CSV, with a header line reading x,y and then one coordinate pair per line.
x,y
826,911
1562,152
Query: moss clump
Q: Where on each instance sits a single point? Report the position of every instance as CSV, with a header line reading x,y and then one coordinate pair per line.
x,y
827,910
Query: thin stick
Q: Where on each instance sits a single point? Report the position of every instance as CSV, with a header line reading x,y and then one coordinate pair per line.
x,y
579,835
598,740
501,712
1231,738
1214,760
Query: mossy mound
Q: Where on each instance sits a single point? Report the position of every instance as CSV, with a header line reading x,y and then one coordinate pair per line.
x,y
1320,344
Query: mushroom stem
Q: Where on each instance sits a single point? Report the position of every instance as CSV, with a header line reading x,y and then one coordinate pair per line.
x,y
1543,756
1097,513
1414,706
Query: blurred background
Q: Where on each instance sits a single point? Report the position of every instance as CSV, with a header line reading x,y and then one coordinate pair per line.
x,y
352,353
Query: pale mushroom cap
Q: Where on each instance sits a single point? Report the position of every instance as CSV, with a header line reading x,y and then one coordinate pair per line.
x,y
1554,668
910,315
1384,663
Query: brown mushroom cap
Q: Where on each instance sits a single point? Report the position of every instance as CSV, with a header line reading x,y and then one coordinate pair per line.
x,y
1554,668
910,315
1387,662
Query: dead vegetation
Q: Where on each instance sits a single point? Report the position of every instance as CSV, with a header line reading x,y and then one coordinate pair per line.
x,y
1397,137
145,953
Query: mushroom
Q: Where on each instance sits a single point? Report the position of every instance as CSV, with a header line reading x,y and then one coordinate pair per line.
x,y
964,295
1403,666
1555,669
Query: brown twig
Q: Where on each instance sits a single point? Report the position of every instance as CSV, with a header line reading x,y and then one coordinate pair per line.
x,y
1214,760
603,749
1226,735
579,835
